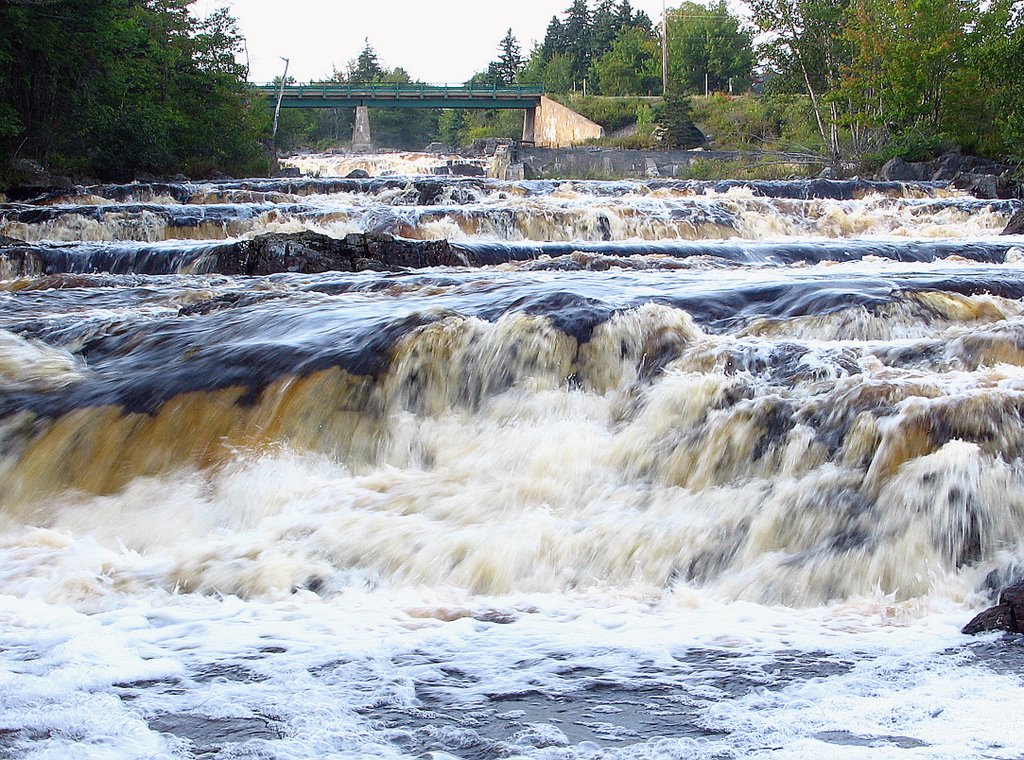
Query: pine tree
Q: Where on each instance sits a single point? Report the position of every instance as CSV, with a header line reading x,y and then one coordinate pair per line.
x,y
554,39
366,67
675,123
578,38
510,60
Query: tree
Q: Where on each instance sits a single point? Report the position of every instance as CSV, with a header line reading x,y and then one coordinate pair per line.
x,y
510,61
675,123
707,47
632,66
111,87
366,67
806,44
909,71
577,39
998,57
554,40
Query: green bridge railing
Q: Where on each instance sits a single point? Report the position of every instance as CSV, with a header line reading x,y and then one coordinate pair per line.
x,y
332,95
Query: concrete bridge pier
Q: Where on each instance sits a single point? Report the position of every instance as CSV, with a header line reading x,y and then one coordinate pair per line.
x,y
361,140
552,125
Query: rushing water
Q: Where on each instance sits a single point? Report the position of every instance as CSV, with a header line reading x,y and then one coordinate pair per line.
x,y
688,470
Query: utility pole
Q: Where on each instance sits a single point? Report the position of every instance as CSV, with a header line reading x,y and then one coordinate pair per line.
x,y
664,49
280,96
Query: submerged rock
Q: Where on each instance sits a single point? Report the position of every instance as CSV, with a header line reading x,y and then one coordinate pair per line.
x,y
1008,615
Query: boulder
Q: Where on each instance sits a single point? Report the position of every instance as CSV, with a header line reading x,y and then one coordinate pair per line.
x,y
466,170
358,174
30,173
288,172
1016,223
979,185
948,166
1008,615
898,170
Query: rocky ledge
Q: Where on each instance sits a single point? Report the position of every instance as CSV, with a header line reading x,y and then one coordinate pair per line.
x,y
1008,615
301,252
311,253
1016,224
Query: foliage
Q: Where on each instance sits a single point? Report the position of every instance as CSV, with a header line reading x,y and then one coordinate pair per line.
x,y
510,61
708,41
113,87
574,50
746,122
631,66
675,122
909,78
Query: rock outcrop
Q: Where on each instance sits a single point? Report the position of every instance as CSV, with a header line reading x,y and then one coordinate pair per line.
x,y
1016,224
1008,615
312,253
981,177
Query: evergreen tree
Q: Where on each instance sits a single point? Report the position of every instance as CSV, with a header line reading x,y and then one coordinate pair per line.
x,y
366,67
605,26
510,61
577,33
554,39
675,123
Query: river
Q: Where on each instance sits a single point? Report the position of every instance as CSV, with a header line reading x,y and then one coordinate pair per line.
x,y
673,469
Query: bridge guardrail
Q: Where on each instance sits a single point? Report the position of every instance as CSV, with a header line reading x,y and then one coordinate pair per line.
x,y
402,91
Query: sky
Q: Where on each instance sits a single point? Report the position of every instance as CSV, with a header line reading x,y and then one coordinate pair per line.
x,y
443,41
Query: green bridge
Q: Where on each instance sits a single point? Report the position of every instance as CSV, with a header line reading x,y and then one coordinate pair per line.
x,y
405,96
545,122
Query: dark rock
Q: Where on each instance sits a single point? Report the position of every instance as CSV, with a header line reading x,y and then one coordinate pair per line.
x,y
30,173
358,174
1008,615
312,253
288,172
466,170
898,170
437,147
1016,223
979,185
7,242
950,165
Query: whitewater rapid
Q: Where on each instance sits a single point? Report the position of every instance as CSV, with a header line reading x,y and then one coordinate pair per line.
x,y
674,469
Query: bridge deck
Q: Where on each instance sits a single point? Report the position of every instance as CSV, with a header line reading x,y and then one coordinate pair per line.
x,y
405,96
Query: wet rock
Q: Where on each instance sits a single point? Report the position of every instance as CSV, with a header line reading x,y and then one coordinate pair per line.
x,y
437,147
30,173
358,174
898,170
7,242
979,185
288,172
312,253
950,165
1008,615
1016,223
466,170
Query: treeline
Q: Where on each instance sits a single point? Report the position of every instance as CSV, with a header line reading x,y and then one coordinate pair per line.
x,y
901,77
111,88
614,50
